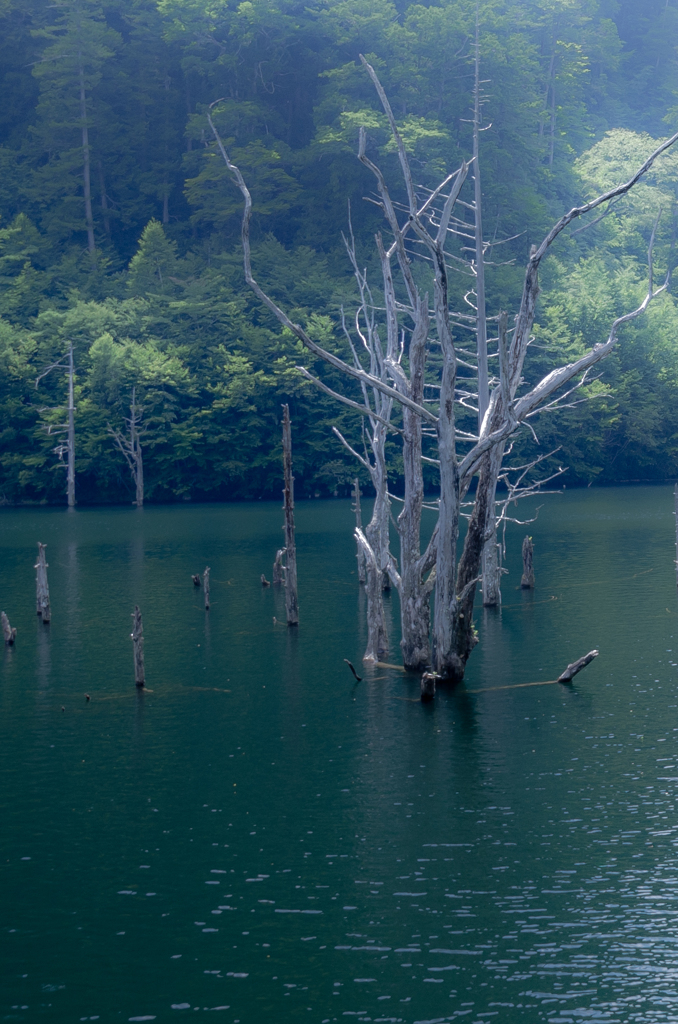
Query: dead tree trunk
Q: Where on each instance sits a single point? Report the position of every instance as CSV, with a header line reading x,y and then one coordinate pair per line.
x,y
9,632
41,585
138,647
570,672
377,635
358,525
675,507
206,587
130,447
70,471
527,581
278,567
291,599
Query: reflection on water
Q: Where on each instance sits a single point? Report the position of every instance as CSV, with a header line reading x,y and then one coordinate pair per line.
x,y
263,837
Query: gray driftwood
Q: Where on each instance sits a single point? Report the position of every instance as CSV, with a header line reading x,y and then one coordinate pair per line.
x,y
278,567
9,632
570,672
206,587
527,580
41,586
291,599
138,647
358,525
428,686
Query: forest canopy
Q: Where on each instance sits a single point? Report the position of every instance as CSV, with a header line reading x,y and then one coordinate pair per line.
x,y
120,226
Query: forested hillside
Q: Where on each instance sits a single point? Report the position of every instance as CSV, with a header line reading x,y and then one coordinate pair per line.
x,y
120,226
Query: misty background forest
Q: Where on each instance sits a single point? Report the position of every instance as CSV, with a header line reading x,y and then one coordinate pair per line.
x,y
120,224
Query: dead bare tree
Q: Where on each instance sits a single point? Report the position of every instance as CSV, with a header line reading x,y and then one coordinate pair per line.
x,y
455,581
358,525
67,449
130,446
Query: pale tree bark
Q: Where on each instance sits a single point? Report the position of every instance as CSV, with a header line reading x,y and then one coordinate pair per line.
x,y
377,635
358,525
455,583
527,580
8,632
42,606
206,587
291,599
130,446
278,567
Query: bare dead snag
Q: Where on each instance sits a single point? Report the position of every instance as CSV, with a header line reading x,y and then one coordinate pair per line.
x,y
131,447
41,586
359,525
291,599
527,581
264,581
278,567
570,672
377,636
206,587
9,632
138,647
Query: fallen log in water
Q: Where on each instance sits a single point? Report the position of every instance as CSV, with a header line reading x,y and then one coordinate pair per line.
x,y
9,632
570,672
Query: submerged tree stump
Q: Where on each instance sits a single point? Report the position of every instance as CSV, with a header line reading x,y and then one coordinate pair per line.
x,y
196,579
360,555
675,507
206,587
9,632
527,581
428,686
41,586
291,598
278,567
138,645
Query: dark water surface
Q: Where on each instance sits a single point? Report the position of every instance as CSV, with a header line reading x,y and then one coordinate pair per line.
x,y
262,839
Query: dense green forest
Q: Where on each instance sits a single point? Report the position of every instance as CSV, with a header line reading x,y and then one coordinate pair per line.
x,y
119,225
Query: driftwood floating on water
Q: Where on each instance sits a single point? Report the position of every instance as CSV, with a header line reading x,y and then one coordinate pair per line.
x,y
196,579
9,632
570,672
206,587
291,599
428,686
527,582
138,642
41,586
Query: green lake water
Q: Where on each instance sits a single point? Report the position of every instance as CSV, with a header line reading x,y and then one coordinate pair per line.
x,y
262,839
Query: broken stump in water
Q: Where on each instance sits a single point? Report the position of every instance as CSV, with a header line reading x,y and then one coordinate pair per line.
x,y
428,686
291,599
41,585
138,642
9,632
206,587
264,581
527,581
196,579
570,672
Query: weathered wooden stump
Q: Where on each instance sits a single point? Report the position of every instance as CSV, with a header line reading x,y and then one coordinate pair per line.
x,y
527,581
196,579
428,686
138,645
278,567
291,599
41,585
206,587
570,672
9,632
264,581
